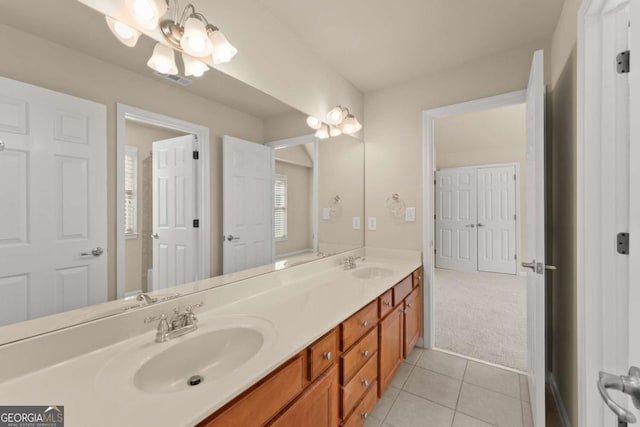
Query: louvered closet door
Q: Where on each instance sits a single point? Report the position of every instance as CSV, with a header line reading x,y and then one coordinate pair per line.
x,y
497,219
456,236
53,202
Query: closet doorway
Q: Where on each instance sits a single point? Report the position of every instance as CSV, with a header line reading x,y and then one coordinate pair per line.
x,y
476,220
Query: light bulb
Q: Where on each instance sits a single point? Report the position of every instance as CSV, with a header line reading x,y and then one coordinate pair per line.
x,y
314,123
147,13
195,40
193,67
223,51
351,125
334,131
323,132
127,35
163,60
335,116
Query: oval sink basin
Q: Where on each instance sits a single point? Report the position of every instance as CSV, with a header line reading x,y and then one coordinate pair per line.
x,y
210,355
372,273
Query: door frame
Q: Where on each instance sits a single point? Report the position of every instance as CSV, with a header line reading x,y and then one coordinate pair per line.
x,y
126,112
428,167
516,165
599,309
292,142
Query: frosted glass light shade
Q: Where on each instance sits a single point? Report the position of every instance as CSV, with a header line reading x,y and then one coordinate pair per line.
x,y
128,36
351,125
335,116
146,13
195,40
314,122
163,60
193,67
323,132
223,51
334,131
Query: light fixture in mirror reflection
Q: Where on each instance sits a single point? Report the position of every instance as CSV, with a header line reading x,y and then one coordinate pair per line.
x,y
188,32
339,121
88,65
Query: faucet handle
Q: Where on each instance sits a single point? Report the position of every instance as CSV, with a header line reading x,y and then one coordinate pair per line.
x,y
190,308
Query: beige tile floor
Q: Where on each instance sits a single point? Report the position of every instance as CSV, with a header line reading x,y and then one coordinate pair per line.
x,y
436,389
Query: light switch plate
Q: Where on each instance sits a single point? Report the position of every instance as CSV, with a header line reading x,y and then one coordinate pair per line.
x,y
326,213
356,222
372,223
410,215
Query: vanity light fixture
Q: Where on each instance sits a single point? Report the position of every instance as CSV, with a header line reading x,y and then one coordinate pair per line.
x,y
128,36
339,121
188,32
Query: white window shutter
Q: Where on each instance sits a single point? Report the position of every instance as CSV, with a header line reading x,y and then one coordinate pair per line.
x,y
280,207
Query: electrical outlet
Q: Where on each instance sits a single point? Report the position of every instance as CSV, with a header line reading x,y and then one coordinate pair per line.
x,y
410,215
326,213
356,222
372,223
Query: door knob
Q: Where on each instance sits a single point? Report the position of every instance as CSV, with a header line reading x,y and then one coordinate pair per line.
x,y
155,236
2,145
231,237
531,265
551,267
629,384
94,252
470,226
480,225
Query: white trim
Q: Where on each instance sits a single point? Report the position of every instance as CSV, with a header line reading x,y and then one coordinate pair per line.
x,y
302,140
428,167
557,397
596,307
293,254
126,112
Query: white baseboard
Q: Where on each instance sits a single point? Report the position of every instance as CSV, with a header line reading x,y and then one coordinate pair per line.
x,y
562,410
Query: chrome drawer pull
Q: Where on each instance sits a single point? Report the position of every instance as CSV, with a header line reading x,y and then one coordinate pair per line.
x,y
365,383
365,353
365,324
364,415
327,355
387,303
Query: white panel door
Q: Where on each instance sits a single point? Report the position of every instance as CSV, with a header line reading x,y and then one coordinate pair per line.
x,y
497,219
536,239
175,239
53,202
247,200
456,233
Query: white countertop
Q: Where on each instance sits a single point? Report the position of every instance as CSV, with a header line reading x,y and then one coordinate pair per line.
x,y
295,307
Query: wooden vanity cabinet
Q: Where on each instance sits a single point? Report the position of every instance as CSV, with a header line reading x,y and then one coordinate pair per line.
x,y
412,317
390,347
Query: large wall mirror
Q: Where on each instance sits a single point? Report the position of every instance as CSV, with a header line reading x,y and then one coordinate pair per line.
x,y
117,181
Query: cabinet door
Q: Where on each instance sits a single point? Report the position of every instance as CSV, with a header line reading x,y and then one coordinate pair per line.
x,y
391,346
317,407
411,321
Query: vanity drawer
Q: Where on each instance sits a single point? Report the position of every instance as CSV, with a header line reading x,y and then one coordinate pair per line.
x,y
385,303
402,289
364,408
322,354
417,277
359,384
358,324
259,405
359,354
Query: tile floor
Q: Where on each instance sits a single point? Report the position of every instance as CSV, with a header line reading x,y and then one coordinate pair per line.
x,y
436,389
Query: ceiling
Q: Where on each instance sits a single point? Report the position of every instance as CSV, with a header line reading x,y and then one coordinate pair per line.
x,y
378,43
89,34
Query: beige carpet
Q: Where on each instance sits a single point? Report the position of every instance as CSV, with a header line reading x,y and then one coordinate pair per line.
x,y
482,315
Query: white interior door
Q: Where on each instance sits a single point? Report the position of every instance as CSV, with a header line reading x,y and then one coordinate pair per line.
x,y
456,233
247,200
536,239
497,219
53,202
175,235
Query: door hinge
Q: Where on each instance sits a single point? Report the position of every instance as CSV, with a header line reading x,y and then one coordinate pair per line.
x,y
623,62
196,154
622,241
196,223
515,256
515,217
435,251
514,177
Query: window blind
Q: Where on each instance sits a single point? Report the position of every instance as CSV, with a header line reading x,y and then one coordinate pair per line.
x,y
280,207
130,190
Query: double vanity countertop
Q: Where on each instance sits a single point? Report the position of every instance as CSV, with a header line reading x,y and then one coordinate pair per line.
x,y
137,381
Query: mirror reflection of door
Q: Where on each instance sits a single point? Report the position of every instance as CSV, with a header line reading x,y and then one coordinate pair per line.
x,y
160,200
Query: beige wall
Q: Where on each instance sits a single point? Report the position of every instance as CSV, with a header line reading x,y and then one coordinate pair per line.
x,y
393,134
492,136
296,154
299,195
71,72
137,250
562,210
286,126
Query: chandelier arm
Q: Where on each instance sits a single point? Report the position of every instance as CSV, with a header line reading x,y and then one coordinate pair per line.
x,y
184,14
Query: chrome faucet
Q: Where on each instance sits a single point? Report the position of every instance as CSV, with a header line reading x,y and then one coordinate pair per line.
x,y
146,298
181,323
350,262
